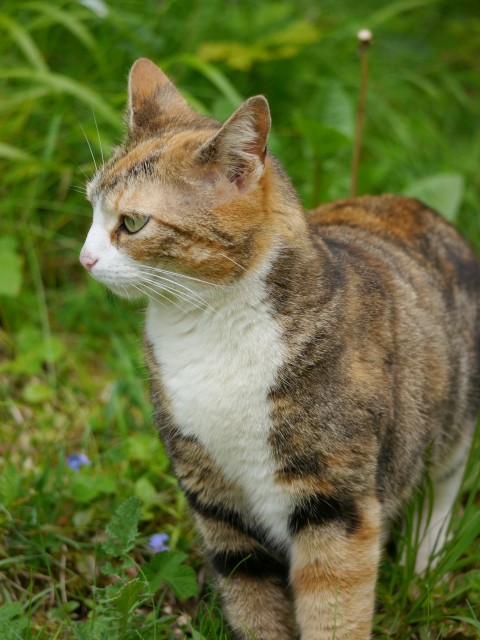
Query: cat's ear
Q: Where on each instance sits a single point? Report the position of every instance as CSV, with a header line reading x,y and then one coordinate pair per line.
x,y
239,148
153,100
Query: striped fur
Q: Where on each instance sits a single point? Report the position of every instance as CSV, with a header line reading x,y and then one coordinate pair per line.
x,y
303,365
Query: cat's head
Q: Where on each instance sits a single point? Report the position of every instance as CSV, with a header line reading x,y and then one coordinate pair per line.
x,y
184,193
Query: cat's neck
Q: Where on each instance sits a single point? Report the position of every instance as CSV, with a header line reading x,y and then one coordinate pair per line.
x,y
288,263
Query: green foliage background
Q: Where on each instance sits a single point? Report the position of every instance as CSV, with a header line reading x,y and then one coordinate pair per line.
x,y
71,374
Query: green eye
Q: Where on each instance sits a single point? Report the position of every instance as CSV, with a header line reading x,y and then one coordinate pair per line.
x,y
135,224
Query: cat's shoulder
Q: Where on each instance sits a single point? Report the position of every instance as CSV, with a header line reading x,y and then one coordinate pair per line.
x,y
400,215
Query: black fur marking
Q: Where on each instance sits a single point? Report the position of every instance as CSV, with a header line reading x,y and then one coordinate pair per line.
x,y
254,563
320,510
224,514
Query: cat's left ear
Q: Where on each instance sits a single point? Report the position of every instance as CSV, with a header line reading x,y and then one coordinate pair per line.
x,y
153,100
239,148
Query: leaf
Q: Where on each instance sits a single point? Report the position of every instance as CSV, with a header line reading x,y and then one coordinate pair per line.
x,y
167,567
10,267
299,33
24,42
216,77
127,598
37,392
33,350
470,621
324,141
442,191
147,493
58,83
123,528
12,621
393,9
87,488
338,112
183,582
282,44
67,19
142,447
9,152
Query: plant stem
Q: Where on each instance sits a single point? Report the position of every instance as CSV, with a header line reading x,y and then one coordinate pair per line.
x,y
365,38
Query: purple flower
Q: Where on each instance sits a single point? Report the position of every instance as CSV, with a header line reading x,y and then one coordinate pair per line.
x,y
157,542
77,460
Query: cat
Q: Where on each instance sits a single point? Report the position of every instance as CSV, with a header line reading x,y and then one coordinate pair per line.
x,y
303,365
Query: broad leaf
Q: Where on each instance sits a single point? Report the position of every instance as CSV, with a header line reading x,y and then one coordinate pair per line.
x,y
442,191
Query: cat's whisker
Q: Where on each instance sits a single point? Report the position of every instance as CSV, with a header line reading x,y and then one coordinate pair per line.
x,y
98,134
232,260
84,173
204,306
144,293
74,187
125,291
89,146
163,296
182,275
159,278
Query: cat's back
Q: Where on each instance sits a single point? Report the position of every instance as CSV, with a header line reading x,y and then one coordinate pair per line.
x,y
409,287
408,235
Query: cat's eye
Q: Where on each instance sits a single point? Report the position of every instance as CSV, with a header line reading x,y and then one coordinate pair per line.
x,y
132,225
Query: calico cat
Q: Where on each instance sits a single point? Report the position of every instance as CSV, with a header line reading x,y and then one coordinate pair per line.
x,y
302,364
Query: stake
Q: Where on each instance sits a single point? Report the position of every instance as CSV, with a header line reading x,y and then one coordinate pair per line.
x,y
365,38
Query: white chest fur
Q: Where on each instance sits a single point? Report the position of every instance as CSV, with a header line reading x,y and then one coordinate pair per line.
x,y
217,370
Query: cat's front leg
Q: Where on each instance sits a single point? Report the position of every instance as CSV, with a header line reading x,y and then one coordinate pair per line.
x,y
334,567
253,583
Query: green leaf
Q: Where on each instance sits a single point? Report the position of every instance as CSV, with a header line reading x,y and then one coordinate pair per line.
x,y
67,19
393,9
324,141
87,488
37,392
9,152
167,566
10,266
338,112
24,42
299,33
123,528
442,191
128,596
33,350
58,83
142,447
147,493
12,621
216,77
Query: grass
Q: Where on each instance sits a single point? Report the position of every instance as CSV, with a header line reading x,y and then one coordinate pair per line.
x,y
71,373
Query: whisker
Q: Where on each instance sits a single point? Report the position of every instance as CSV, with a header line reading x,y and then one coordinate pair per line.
x,y
89,146
144,293
86,176
182,275
159,293
98,134
177,284
191,299
232,260
77,188
125,291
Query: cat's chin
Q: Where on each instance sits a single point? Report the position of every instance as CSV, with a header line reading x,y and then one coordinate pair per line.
x,y
126,291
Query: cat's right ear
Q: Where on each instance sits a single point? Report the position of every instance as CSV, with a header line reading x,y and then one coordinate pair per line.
x,y
238,150
153,100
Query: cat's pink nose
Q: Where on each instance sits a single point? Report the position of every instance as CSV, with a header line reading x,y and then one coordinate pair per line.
x,y
87,260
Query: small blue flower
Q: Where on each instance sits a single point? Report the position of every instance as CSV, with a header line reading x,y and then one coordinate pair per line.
x,y
77,460
157,542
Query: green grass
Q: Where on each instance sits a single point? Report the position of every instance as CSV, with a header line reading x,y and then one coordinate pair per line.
x,y
71,373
